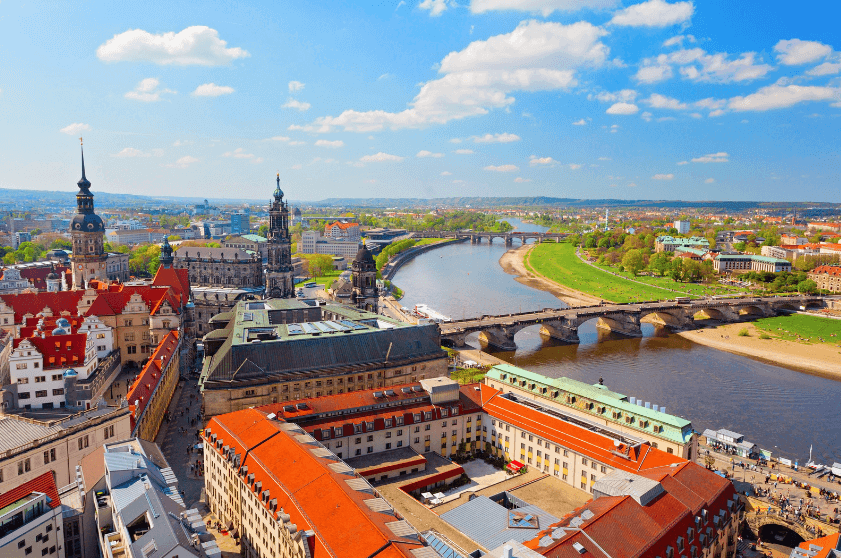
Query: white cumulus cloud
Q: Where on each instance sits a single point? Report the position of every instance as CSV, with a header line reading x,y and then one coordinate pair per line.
x,y
331,144
295,86
536,56
496,138
147,91
464,151
535,161
183,162
425,153
697,65
574,166
778,96
622,108
720,157
238,153
502,168
663,176
132,152
653,13
380,157
446,173
75,128
581,122
709,181
197,45
662,102
296,104
653,74
624,96
435,7
543,7
794,52
520,179
212,90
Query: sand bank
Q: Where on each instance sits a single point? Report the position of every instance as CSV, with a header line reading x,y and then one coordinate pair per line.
x,y
512,263
823,359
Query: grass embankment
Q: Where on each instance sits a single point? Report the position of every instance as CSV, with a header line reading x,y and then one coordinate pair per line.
x,y
801,328
424,241
327,279
692,289
558,262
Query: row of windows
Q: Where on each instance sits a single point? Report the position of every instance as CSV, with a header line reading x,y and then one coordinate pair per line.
x,y
40,393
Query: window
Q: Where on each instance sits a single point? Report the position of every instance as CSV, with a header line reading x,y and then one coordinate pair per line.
x,y
131,349
358,441
56,377
24,466
23,380
40,379
83,442
566,453
21,365
584,461
58,391
670,450
21,543
370,449
23,395
388,434
427,427
387,446
370,438
129,336
41,393
399,432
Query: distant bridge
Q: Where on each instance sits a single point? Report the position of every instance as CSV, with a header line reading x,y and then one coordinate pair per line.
x,y
476,237
562,324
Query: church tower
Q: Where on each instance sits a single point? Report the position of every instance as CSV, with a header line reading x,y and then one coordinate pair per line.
x,y
279,272
166,258
87,232
364,272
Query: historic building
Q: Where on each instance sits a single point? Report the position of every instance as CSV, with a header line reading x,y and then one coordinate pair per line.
x,y
151,392
279,271
364,271
343,231
87,233
827,278
220,267
275,350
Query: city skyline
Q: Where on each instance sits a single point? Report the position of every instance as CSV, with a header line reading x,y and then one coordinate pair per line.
x,y
650,100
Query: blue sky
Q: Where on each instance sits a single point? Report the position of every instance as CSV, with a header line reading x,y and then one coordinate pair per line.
x,y
570,98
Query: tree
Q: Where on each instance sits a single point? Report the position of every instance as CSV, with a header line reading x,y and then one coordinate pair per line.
x,y
676,269
318,264
807,286
263,230
633,261
659,263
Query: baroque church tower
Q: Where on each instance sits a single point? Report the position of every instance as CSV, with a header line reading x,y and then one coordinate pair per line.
x,y
364,273
280,272
87,232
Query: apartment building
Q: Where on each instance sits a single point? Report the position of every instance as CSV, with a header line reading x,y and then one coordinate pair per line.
x,y
31,519
827,278
313,243
36,442
151,392
726,263
597,403
343,231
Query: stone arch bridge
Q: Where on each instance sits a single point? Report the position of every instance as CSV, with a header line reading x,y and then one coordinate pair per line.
x,y
477,237
562,324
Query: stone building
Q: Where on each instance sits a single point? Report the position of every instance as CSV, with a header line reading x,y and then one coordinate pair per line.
x,y
150,394
220,267
283,350
252,242
211,301
364,273
87,233
279,271
827,278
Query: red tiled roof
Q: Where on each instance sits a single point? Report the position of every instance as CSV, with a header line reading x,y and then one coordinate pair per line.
x,y
177,278
316,498
342,226
33,303
38,275
144,386
59,351
827,543
31,326
598,447
43,483
828,269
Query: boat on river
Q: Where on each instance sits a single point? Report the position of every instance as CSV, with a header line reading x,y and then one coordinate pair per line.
x,y
424,311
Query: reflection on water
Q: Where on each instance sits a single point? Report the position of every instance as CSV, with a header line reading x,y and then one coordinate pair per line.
x,y
771,406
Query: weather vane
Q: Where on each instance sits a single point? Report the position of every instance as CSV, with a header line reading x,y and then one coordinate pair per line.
x,y
81,142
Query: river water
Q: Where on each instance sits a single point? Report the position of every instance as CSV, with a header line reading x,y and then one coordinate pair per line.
x,y
782,410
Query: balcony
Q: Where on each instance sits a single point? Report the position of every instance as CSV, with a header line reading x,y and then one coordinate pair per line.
x,y
113,546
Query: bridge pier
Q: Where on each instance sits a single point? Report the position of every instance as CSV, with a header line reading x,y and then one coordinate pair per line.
x,y
509,241
458,340
627,324
561,332
498,337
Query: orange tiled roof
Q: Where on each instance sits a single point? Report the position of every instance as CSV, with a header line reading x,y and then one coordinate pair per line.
x,y
144,386
316,498
33,303
828,269
43,483
342,226
827,543
60,351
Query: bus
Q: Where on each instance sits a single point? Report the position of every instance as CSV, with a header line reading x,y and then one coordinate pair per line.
x,y
682,299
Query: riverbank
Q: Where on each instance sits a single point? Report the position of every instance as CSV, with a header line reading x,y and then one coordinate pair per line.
x,y
823,359
512,263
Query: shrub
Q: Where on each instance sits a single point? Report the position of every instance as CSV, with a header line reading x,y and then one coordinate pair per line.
x,y
744,332
764,336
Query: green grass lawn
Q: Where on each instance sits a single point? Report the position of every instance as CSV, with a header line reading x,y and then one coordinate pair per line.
x,y
424,241
802,328
467,375
327,279
694,289
559,263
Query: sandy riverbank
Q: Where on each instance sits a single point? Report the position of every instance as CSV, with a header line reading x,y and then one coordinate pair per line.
x,y
512,263
823,359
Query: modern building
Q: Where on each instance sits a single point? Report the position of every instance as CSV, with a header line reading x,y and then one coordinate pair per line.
x,y
138,507
682,226
790,251
220,267
314,243
241,222
827,278
284,350
35,442
87,233
342,231
597,403
31,519
280,273
20,238
671,243
725,263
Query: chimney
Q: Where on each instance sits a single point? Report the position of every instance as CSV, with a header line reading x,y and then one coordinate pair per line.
x,y
507,551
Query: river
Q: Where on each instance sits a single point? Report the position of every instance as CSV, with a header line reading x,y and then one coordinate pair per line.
x,y
782,410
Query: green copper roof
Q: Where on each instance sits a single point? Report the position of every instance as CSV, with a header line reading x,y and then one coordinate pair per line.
x,y
254,237
675,428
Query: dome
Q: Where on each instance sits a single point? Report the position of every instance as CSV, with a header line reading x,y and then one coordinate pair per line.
x,y
62,322
364,255
70,372
87,222
52,276
59,331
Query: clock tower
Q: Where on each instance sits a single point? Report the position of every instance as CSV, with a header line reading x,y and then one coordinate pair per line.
x,y
87,232
279,272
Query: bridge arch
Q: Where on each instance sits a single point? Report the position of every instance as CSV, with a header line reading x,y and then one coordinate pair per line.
x,y
779,531
751,311
674,319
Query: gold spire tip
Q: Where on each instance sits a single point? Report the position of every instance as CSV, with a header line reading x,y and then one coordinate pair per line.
x,y
81,142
